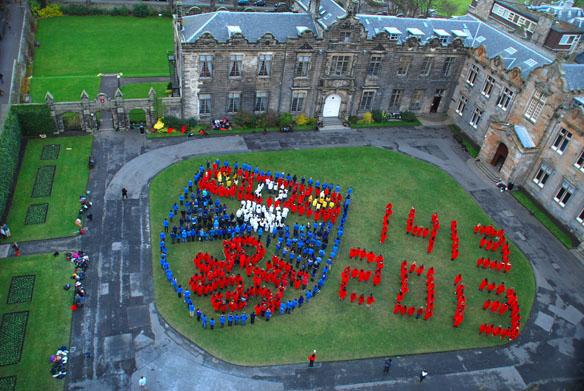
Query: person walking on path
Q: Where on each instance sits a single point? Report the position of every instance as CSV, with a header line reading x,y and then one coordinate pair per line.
x,y
312,359
423,375
2,78
142,383
124,193
386,366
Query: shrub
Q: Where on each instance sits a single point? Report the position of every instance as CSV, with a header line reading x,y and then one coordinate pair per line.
x,y
172,122
34,119
285,119
408,116
367,118
10,142
244,119
141,10
192,122
71,121
377,115
302,120
353,119
49,11
120,11
81,10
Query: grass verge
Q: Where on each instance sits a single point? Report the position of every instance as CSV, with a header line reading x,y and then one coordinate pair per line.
x,y
49,318
540,214
69,182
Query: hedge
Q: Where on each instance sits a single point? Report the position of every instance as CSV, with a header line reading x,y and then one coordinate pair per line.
x,y
10,142
34,119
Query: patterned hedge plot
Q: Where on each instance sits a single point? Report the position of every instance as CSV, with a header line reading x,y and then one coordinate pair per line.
x,y
12,331
36,214
43,184
50,152
8,383
21,289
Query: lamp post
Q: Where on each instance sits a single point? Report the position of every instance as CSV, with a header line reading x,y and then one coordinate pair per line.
x,y
118,77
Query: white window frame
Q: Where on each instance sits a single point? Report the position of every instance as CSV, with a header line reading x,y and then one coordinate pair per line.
x,y
404,65
340,65
427,64
297,101
302,65
264,65
542,175
488,86
473,74
235,66
366,103
374,66
569,39
505,98
207,106
564,193
234,102
261,96
447,66
579,163
396,97
205,66
535,105
561,141
476,118
462,102
580,217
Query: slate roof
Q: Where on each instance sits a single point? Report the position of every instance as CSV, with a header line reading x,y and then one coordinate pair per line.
x,y
513,52
253,25
330,11
573,74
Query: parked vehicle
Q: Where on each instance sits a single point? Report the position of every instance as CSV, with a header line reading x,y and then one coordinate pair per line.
x,y
281,7
242,2
260,3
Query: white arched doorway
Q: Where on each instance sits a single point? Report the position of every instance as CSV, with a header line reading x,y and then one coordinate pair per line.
x,y
332,106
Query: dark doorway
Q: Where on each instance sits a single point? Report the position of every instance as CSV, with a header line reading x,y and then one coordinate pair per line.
x,y
436,101
500,156
435,104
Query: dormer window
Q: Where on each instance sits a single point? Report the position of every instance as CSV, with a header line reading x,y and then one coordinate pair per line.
x,y
392,33
345,36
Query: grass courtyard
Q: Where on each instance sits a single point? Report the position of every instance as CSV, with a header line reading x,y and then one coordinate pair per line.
x,y
48,325
341,330
53,174
75,49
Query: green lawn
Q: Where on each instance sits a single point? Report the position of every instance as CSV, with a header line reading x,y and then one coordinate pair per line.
x,y
140,90
49,318
460,6
81,47
528,203
70,181
63,88
341,330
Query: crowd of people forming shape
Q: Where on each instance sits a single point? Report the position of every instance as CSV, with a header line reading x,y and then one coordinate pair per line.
x,y
266,200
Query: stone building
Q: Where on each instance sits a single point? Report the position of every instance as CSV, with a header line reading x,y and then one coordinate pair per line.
x,y
514,98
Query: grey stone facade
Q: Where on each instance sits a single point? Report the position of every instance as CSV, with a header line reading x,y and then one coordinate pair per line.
x,y
373,66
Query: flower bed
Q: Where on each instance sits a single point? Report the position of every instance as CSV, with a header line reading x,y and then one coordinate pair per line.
x,y
21,289
36,214
12,332
50,152
43,184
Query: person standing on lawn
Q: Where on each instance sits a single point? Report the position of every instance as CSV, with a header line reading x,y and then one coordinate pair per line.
x,y
312,359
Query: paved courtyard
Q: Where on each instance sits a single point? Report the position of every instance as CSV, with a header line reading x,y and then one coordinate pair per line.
x,y
119,336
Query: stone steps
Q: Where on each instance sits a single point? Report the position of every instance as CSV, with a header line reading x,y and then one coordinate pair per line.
x,y
488,171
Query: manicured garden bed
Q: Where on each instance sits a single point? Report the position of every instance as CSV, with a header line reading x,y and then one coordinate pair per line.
x,y
339,329
386,124
36,319
45,202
